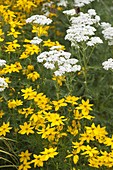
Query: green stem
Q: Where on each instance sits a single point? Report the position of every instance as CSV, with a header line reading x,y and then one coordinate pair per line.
x,y
69,84
84,64
57,90
90,54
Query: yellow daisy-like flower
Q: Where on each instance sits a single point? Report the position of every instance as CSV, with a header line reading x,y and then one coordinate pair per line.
x,y
24,156
59,103
29,93
5,129
26,129
25,166
85,107
33,76
1,113
49,153
14,103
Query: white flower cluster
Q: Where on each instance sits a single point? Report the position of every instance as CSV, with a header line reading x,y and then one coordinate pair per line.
x,y
94,40
39,19
82,28
2,62
70,12
81,3
62,3
108,64
60,61
107,32
3,84
45,7
36,40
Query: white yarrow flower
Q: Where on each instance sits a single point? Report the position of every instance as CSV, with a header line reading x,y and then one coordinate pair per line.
x,y
59,61
36,40
94,40
39,19
70,12
108,64
82,28
91,12
62,3
108,34
2,62
105,25
81,3
3,84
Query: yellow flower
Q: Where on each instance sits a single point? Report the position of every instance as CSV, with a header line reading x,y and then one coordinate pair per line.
x,y
30,49
50,43
26,129
12,68
40,30
38,161
98,132
1,113
1,34
71,99
49,153
85,107
78,146
14,103
59,103
12,46
56,119
75,159
59,79
14,33
90,151
77,114
34,76
24,156
5,129
1,99
25,5
29,93
30,67
86,137
7,80
109,141
47,133
25,166
26,111
42,101
95,162
72,130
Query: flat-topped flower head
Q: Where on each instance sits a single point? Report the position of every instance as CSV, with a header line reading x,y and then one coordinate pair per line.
x,y
82,28
105,25
39,19
2,62
70,12
58,60
94,40
107,32
36,40
108,64
81,3
3,84
62,3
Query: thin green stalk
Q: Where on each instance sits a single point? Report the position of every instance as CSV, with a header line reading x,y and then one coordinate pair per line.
x,y
90,54
84,64
69,83
57,90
